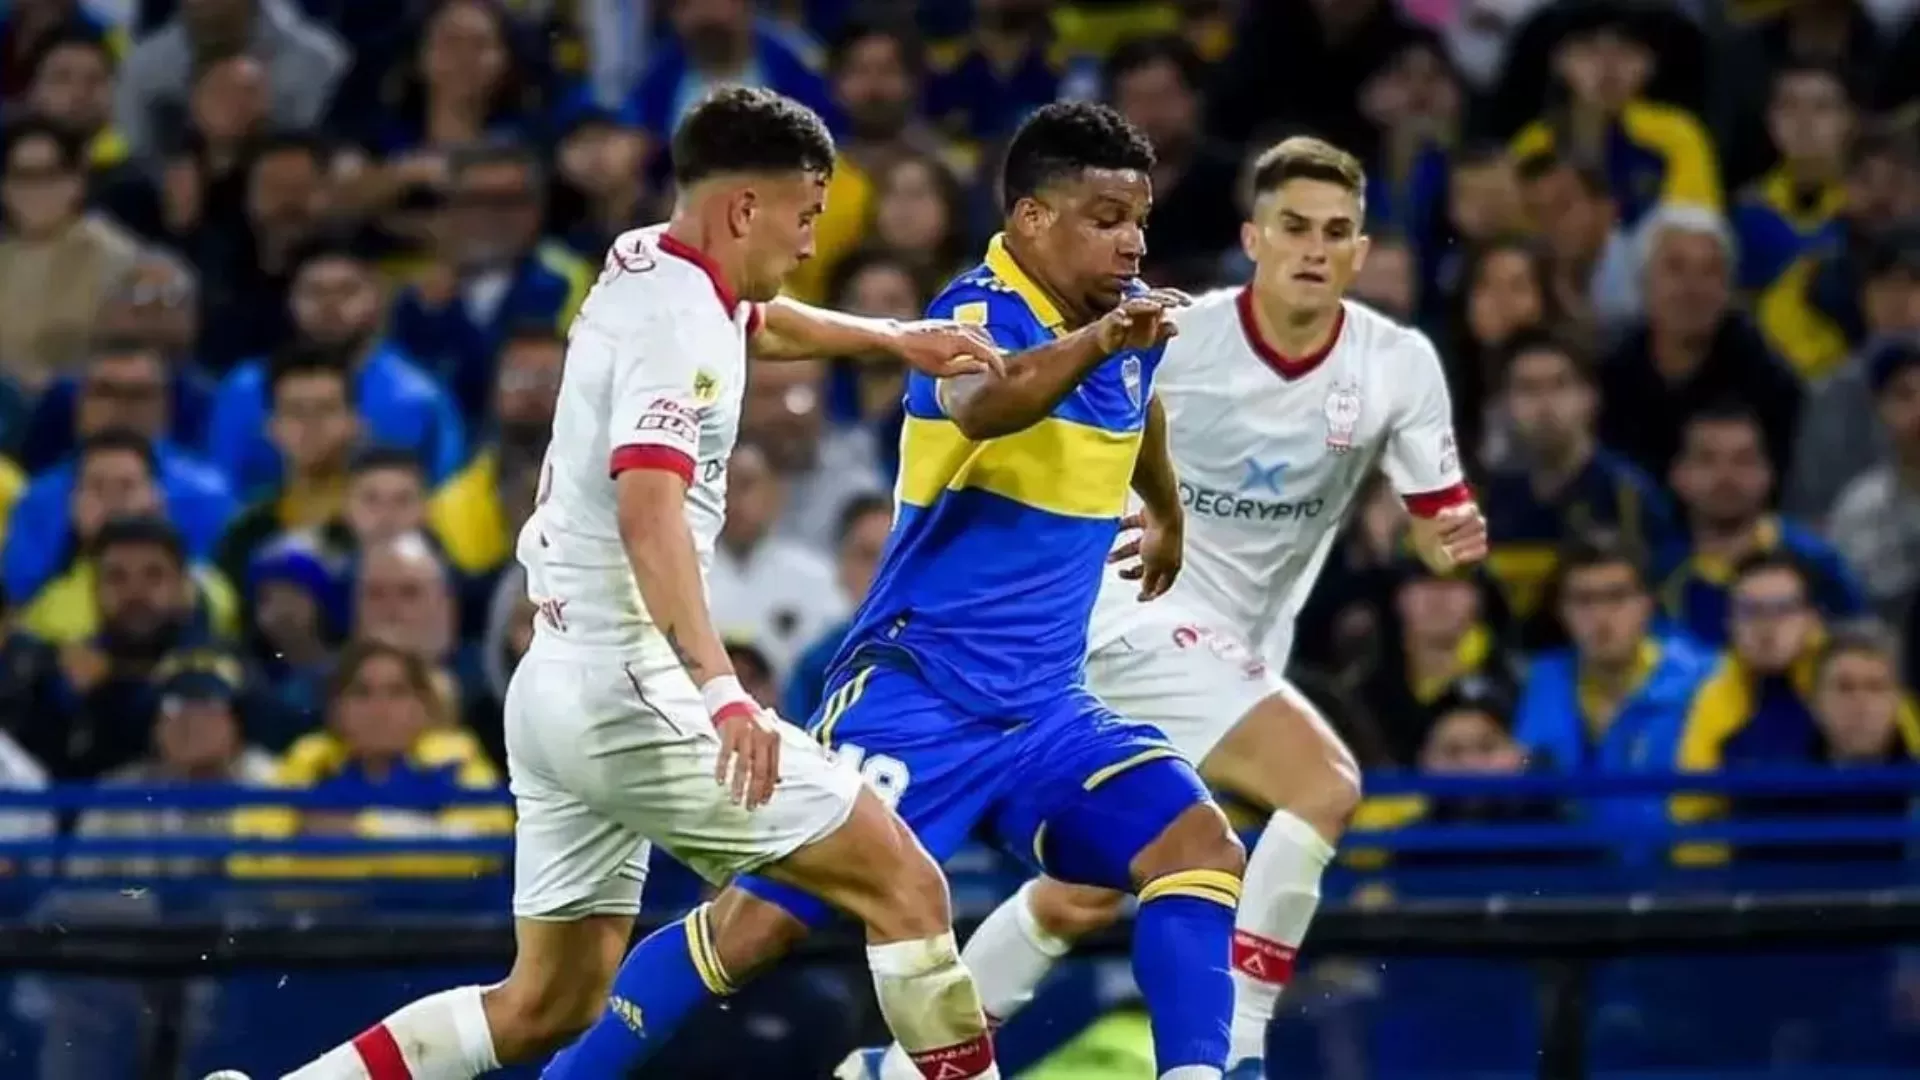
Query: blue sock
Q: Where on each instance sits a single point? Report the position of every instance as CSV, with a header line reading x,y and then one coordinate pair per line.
x,y
1182,959
663,980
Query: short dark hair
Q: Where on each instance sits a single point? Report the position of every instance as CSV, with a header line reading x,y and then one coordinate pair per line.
x,y
119,440
904,34
299,360
495,151
1596,550
1069,137
1538,166
70,36
1726,411
117,345
744,130
861,260
144,530
1858,639
870,502
1304,157
1795,64
69,148
1542,339
325,247
283,141
379,458
1766,562
1137,54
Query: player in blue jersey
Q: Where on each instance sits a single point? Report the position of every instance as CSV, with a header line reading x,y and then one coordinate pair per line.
x,y
958,694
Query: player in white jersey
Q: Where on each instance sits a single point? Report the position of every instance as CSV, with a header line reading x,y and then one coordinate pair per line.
x,y
1281,398
625,722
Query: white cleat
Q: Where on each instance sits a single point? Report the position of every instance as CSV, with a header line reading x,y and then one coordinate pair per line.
x,y
228,1074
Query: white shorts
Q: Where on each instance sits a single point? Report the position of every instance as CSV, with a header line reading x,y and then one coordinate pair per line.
x,y
1192,682
605,755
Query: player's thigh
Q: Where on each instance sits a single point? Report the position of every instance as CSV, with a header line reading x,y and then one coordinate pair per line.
x,y
938,773
1096,791
1192,683
1283,754
571,860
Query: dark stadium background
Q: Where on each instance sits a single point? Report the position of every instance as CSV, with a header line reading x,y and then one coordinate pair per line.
x,y
1669,250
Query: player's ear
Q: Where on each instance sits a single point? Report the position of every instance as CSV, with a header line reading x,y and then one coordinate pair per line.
x,y
1250,240
1030,216
740,211
1361,245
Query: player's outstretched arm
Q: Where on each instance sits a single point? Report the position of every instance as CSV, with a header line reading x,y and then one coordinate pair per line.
x,y
791,330
989,405
651,506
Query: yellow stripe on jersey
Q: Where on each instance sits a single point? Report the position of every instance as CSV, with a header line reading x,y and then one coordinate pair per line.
x,y
1027,289
1058,466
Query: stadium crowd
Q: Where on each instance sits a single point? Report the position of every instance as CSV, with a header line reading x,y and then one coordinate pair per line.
x,y
285,284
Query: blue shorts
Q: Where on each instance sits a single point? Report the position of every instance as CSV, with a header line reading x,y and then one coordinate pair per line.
x,y
1073,791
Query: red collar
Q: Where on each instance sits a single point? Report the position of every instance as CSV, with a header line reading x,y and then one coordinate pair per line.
x,y
673,245
1287,367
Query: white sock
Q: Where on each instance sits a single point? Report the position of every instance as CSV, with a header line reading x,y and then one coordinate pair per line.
x,y
442,1037
1191,1072
933,1009
1008,954
1277,902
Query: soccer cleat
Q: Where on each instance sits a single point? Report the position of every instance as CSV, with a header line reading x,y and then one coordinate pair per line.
x,y
228,1074
1247,1069
862,1064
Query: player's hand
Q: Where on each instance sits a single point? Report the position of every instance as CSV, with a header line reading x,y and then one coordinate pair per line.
x,y
1457,536
1158,549
749,762
1140,322
943,349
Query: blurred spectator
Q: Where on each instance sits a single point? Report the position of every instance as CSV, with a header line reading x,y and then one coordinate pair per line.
x,y
115,476
463,86
1482,209
296,612
1651,153
491,271
146,604
336,305
404,597
1343,618
1875,524
1562,483
247,266
386,498
819,466
1436,636
986,83
1389,281
601,189
755,673
389,730
1414,101
1503,290
1155,83
57,263
864,525
1693,350
1757,708
767,589
71,86
303,62
920,217
198,738
1595,275
477,513
1796,208
1616,699
314,425
30,27
124,392
158,305
1722,478
718,43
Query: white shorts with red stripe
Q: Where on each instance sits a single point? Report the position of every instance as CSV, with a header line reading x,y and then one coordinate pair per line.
x,y
1192,680
607,753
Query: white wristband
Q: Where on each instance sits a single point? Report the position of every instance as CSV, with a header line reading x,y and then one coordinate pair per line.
x,y
722,691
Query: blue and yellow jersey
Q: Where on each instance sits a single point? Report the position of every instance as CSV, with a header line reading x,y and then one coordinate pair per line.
x,y
1782,228
1611,494
998,546
1695,593
1654,154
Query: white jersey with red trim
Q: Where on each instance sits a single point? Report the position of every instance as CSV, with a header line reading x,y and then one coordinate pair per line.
x,y
655,369
1272,454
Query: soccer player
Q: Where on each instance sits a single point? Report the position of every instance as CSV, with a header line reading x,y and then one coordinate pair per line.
x,y
957,695
625,721
1281,399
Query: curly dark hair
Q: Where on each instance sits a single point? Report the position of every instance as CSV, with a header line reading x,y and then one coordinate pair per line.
x,y
739,129
1065,138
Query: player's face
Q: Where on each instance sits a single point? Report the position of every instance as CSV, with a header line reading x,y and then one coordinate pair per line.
x,y
776,216
1770,622
1091,232
1551,405
1605,610
1306,244
1856,703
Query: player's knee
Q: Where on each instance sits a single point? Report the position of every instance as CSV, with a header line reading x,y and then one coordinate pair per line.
x,y
1198,839
527,1020
912,901
750,934
1328,795
1071,912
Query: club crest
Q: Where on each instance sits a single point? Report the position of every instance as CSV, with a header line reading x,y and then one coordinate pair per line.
x,y
1343,415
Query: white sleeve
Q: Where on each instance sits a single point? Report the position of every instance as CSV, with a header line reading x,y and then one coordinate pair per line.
x,y
1422,456
660,394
